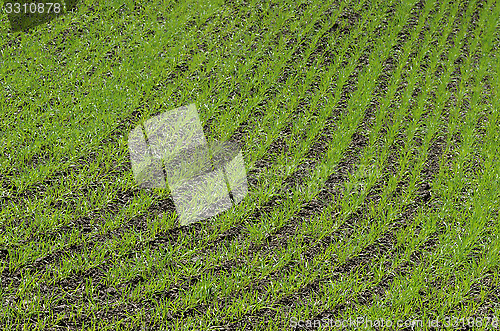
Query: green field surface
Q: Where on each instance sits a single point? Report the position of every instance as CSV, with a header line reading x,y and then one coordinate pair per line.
x,y
370,133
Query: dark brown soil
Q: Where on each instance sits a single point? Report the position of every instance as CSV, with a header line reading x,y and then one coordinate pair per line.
x,y
70,289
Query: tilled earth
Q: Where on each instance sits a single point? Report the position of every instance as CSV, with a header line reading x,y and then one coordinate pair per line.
x,y
71,290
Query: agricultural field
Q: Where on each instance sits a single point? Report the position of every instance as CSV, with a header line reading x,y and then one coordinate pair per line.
x,y
370,134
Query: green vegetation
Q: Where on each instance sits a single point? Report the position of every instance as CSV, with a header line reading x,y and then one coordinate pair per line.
x,y
370,132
